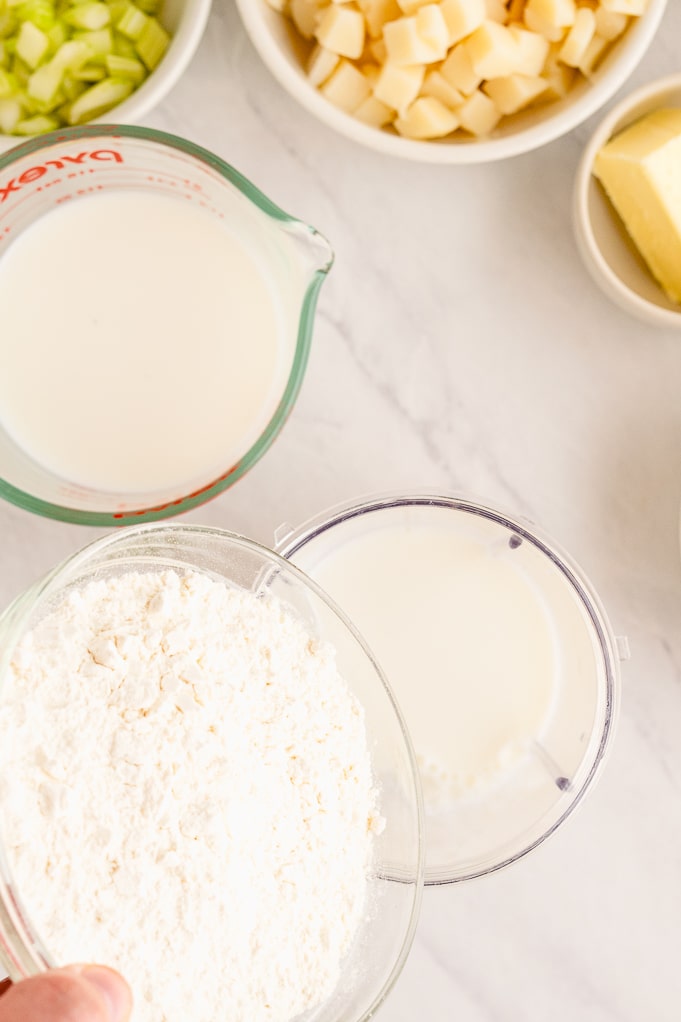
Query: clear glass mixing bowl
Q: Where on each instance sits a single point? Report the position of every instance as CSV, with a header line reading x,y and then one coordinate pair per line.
x,y
381,945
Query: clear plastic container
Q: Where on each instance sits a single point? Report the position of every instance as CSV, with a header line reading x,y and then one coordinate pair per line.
x,y
395,880
498,651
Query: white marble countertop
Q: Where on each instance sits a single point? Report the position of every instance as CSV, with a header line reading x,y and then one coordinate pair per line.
x,y
460,345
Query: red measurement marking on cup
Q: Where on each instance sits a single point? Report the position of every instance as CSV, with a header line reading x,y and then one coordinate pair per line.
x,y
16,184
180,500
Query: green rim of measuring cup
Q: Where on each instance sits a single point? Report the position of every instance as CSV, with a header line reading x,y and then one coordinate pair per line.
x,y
158,512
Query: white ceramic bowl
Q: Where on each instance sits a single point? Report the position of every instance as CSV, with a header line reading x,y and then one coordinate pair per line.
x,y
283,52
185,20
607,250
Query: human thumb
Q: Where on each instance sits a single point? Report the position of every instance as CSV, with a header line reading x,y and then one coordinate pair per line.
x,y
78,993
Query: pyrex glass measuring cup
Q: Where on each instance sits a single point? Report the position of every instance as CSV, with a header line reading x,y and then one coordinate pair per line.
x,y
41,182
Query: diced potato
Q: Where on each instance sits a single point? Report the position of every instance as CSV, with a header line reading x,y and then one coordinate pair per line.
x,y
516,9
478,115
371,72
341,30
558,76
427,117
405,61
593,55
492,50
411,6
378,51
372,111
462,17
633,8
515,92
321,64
398,86
550,17
406,45
376,13
610,24
346,87
432,27
578,38
435,84
459,71
305,15
532,50
495,10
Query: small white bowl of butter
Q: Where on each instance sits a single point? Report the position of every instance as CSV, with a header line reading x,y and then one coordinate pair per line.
x,y
607,247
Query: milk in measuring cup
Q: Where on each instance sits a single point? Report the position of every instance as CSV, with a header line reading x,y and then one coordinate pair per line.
x,y
143,345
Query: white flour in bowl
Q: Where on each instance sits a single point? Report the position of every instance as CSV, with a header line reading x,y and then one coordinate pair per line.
x,y
187,795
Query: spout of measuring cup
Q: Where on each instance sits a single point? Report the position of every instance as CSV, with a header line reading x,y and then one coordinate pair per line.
x,y
313,249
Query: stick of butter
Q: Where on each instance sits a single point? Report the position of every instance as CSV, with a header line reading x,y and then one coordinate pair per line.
x,y
640,169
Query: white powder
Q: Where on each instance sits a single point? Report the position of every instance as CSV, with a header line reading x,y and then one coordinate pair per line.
x,y
187,795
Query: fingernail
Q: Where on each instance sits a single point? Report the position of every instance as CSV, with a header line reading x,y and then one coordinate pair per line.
x,y
113,988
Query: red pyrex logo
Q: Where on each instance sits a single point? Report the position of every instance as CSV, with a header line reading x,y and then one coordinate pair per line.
x,y
34,173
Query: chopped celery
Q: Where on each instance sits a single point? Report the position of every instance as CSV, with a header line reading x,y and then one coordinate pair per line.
x,y
36,125
99,98
68,61
125,67
20,70
36,106
90,73
8,24
8,84
44,83
72,88
90,16
10,115
71,55
99,41
124,47
63,112
149,6
131,22
152,43
32,44
40,12
57,35
117,8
